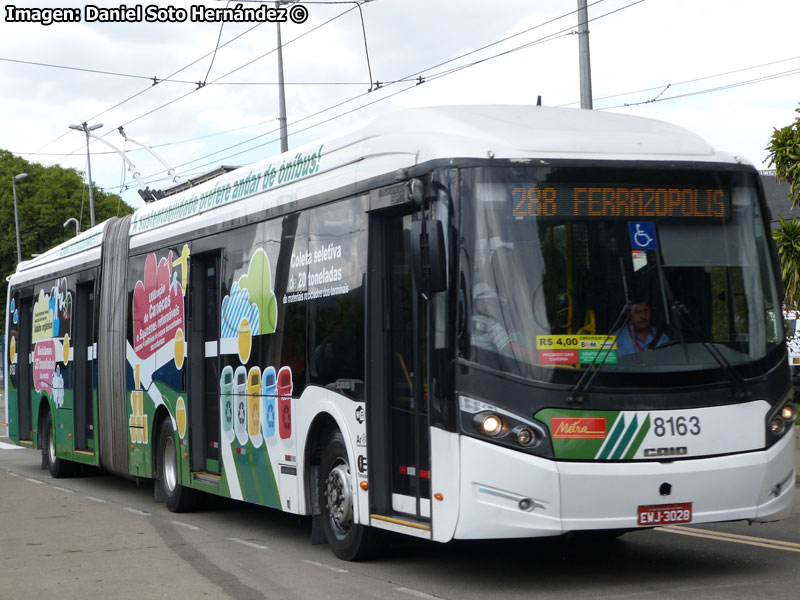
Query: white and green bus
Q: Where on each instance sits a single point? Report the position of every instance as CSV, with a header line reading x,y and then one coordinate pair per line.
x,y
454,323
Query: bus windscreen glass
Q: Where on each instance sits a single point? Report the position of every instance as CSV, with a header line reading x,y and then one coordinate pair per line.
x,y
641,269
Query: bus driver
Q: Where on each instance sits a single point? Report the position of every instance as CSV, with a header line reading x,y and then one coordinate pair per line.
x,y
638,334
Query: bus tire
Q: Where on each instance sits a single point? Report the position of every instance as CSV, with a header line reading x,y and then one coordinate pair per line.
x,y
348,541
177,497
58,467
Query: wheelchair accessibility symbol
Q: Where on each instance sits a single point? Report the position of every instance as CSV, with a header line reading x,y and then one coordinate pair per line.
x,y
643,235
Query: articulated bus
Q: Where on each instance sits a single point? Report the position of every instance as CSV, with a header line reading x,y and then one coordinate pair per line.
x,y
454,323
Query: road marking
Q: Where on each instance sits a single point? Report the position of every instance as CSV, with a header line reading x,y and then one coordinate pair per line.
x,y
93,499
4,446
136,511
192,527
416,593
63,489
34,481
324,566
13,474
731,537
248,544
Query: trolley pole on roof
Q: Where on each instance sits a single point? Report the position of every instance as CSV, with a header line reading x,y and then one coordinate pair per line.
x,y
281,91
583,54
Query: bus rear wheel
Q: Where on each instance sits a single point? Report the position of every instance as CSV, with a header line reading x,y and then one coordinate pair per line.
x,y
348,540
177,497
58,467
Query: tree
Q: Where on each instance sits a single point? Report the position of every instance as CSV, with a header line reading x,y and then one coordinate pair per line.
x,y
46,199
784,153
787,238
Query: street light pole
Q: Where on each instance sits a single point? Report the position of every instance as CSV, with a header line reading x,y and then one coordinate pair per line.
x,y
86,129
16,216
73,220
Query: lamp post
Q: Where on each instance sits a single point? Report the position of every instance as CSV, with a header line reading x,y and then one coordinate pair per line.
x,y
16,216
73,220
86,129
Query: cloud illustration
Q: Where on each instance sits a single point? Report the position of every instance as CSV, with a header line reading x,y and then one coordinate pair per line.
x,y
258,282
235,307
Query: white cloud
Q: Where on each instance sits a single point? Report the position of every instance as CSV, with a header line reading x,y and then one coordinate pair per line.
x,y
648,45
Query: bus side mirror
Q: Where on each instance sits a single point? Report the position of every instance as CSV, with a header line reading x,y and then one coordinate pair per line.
x,y
428,258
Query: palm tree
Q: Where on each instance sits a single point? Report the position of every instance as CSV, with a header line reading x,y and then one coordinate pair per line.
x,y
787,238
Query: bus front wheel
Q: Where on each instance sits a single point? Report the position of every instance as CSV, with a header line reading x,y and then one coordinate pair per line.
x,y
348,540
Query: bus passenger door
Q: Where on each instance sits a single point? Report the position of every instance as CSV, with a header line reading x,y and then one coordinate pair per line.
x,y
24,371
397,407
203,358
84,361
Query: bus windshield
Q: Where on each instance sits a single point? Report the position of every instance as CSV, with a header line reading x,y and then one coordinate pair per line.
x,y
640,269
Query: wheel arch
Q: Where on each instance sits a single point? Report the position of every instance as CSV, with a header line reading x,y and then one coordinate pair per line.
x,y
161,415
322,426
44,410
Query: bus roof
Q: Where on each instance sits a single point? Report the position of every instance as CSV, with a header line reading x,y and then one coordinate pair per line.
x,y
402,140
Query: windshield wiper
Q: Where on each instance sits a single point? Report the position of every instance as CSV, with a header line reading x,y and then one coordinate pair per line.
x,y
579,390
681,313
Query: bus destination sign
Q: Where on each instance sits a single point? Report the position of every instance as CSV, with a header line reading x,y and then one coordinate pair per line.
x,y
625,202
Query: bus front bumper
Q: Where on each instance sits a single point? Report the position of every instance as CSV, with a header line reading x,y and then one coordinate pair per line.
x,y
508,494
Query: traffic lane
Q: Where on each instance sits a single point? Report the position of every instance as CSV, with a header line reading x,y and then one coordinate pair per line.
x,y
645,564
786,529
58,540
57,543
268,550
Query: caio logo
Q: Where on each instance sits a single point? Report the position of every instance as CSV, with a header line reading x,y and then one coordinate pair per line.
x,y
579,428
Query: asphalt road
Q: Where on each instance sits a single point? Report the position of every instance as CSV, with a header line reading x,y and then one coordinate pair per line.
x,y
100,537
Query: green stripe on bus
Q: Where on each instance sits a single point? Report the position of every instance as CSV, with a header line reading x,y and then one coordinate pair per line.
x,y
639,439
612,440
626,439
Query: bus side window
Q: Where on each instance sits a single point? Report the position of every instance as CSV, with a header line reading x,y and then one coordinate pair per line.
x,y
336,330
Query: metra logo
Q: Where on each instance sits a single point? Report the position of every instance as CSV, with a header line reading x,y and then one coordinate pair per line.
x,y
579,428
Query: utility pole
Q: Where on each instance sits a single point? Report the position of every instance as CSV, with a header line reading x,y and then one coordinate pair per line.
x,y
281,91
583,54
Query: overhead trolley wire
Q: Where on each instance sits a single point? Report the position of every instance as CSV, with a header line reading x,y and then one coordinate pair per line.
x,y
412,78
727,86
169,79
663,87
659,98
155,82
232,71
217,81
406,79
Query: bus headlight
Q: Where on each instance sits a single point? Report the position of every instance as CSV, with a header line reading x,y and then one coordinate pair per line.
x,y
490,424
777,426
781,419
498,425
527,436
